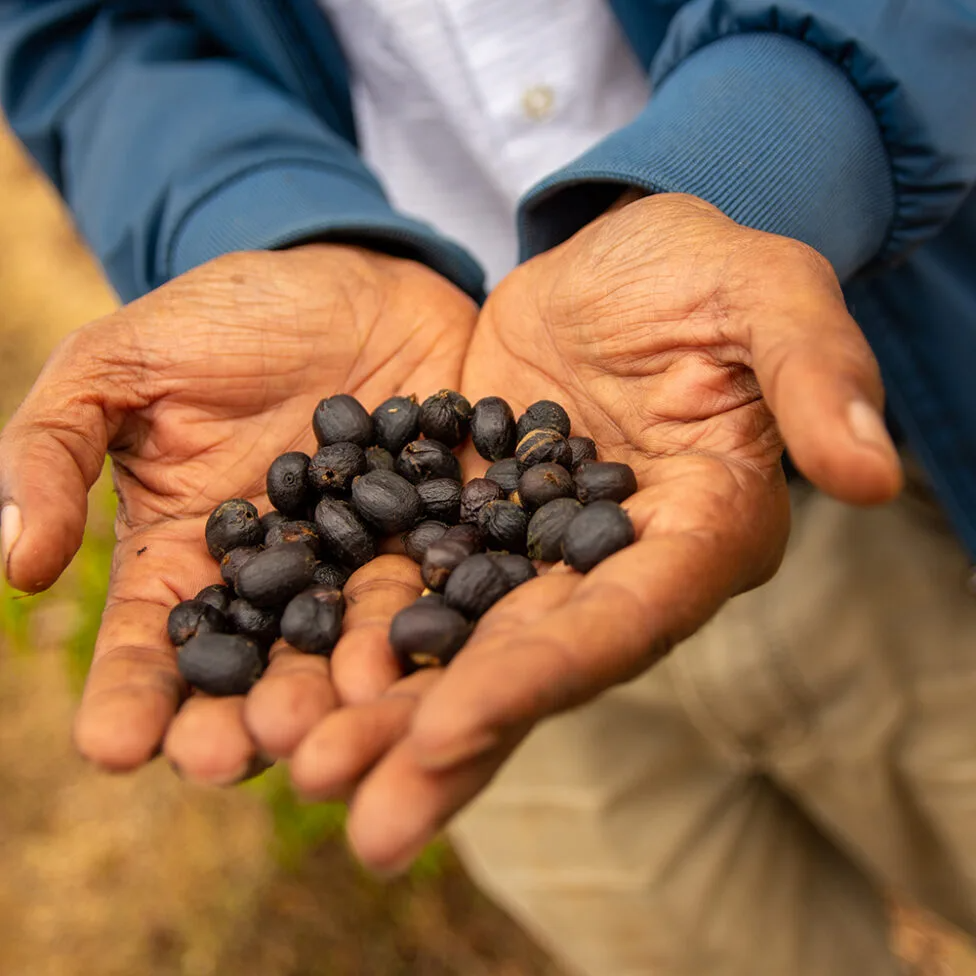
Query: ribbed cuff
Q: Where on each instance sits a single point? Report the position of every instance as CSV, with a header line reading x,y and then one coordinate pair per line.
x,y
287,203
760,125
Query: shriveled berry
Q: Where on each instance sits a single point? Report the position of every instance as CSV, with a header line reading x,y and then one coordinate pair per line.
x,y
396,422
273,577
233,524
545,414
344,535
505,473
548,526
261,624
328,574
221,664
493,428
542,483
605,481
469,534
441,559
445,417
543,446
296,531
270,519
342,418
441,499
427,634
476,494
416,541
288,485
312,622
475,586
192,617
600,530
332,468
504,525
582,449
427,459
387,501
217,595
518,569
379,459
232,563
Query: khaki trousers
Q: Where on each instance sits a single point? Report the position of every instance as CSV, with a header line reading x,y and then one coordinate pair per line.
x,y
738,809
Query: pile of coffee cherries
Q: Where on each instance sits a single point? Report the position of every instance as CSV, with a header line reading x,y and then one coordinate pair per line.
x,y
394,472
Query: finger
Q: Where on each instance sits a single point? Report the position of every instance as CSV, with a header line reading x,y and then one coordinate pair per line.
x,y
423,802
346,744
599,630
363,665
51,453
823,385
134,687
207,741
292,696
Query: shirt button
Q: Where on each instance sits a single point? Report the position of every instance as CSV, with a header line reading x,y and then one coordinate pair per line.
x,y
538,102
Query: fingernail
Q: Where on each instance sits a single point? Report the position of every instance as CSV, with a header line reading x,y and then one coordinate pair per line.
x,y
11,528
868,428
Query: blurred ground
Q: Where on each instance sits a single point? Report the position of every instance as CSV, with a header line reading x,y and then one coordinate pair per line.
x,y
117,876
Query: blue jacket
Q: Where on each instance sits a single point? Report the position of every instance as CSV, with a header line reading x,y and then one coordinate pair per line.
x,y
177,130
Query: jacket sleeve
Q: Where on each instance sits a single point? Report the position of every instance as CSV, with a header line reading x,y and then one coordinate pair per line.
x,y
169,151
847,124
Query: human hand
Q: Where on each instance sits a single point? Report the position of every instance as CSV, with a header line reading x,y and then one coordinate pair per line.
x,y
690,348
193,391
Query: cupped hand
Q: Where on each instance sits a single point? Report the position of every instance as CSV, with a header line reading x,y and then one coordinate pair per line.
x,y
692,349
193,391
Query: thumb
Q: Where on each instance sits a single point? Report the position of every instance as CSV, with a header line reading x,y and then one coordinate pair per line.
x,y
51,453
822,383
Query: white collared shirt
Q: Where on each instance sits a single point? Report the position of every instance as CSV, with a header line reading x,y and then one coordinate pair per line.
x,y
462,105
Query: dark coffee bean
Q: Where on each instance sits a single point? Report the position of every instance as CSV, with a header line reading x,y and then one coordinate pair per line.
x,y
386,501
221,664
428,459
548,526
415,542
427,634
288,486
545,414
475,495
445,417
344,536
296,531
475,586
273,577
600,530
270,519
542,483
516,568
261,624
217,595
332,468
583,449
342,418
505,473
493,428
468,533
441,559
328,574
312,622
396,422
379,459
605,481
543,447
232,563
233,524
192,617
441,499
504,525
